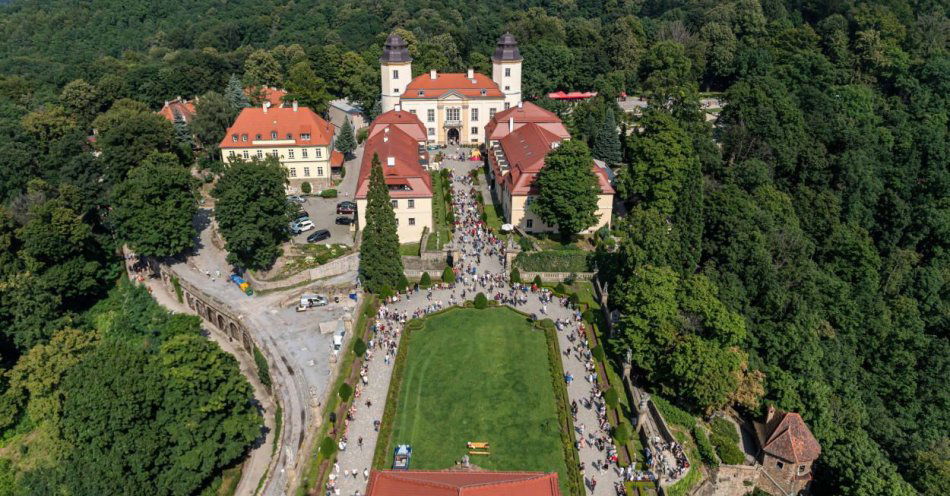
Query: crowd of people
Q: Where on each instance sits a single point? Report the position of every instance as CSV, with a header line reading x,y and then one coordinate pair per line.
x,y
660,464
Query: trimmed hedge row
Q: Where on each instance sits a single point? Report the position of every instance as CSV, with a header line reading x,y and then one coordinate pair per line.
x,y
705,448
392,397
575,483
555,261
673,414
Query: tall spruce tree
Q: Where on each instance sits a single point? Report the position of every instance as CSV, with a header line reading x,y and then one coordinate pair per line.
x,y
346,141
234,94
607,141
183,131
380,263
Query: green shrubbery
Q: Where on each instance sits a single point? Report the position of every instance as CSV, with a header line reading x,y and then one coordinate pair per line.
x,y
481,302
263,370
345,392
328,193
515,276
305,188
706,451
537,281
622,433
560,289
448,275
726,440
555,261
359,347
327,447
673,414
425,281
611,397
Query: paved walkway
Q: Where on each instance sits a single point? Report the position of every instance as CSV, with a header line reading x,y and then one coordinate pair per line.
x,y
480,270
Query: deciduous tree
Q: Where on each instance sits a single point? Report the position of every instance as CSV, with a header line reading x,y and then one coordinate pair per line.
x,y
568,189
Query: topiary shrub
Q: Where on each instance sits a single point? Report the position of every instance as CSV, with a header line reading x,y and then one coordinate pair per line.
x,y
448,275
598,352
622,433
327,447
481,302
386,292
403,282
537,280
426,280
611,397
516,275
359,347
345,392
328,193
588,316
305,188
560,289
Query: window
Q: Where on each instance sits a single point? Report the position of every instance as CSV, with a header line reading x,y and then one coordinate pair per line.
x,y
320,171
260,154
507,87
231,154
395,203
491,113
484,92
290,153
318,152
801,470
779,464
452,114
530,223
275,153
305,136
395,74
290,136
430,115
412,204
306,171
396,91
234,138
422,92
474,130
303,152
431,131
246,155
507,71
243,137
413,111
397,222
293,172
412,221
273,135
257,137
474,115
507,105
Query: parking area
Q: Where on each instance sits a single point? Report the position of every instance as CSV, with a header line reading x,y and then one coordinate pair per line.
x,y
322,211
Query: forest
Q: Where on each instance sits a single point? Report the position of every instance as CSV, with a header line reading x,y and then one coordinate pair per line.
x,y
794,253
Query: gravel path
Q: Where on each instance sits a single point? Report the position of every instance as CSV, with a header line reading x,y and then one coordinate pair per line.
x,y
354,463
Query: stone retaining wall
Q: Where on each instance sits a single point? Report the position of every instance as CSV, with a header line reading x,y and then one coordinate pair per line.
x,y
557,276
336,267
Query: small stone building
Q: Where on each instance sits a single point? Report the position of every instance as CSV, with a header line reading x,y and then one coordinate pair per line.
x,y
788,451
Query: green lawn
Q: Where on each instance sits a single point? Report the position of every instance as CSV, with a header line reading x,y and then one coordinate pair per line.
x,y
409,249
441,218
479,375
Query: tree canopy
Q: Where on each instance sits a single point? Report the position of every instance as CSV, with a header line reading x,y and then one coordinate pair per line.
x,y
567,189
380,262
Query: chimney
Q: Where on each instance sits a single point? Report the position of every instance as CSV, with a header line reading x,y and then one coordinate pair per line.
x,y
511,124
471,73
391,161
433,74
398,107
295,105
264,106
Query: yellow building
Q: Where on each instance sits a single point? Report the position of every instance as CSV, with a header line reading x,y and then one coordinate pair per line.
x,y
453,107
297,136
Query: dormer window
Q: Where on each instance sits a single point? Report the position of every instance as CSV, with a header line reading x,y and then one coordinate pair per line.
x,y
305,136
257,137
422,93
243,137
273,135
290,136
484,92
234,138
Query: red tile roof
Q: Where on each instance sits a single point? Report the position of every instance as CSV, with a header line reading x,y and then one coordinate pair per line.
x,y
284,121
497,127
448,483
391,143
790,439
407,122
266,94
336,158
452,81
176,107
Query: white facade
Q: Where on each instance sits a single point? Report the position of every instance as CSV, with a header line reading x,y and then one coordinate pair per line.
x,y
413,215
395,77
507,74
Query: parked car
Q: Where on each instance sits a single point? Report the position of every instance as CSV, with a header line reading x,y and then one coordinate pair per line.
x,y
301,226
296,199
301,215
346,207
344,220
318,236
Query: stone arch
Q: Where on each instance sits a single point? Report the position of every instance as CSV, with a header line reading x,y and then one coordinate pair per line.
x,y
232,329
220,322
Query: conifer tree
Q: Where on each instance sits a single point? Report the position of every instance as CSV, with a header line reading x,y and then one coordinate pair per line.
x,y
380,263
235,95
607,141
346,141
183,131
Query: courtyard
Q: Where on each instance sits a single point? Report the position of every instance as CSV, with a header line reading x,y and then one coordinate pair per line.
x,y
482,376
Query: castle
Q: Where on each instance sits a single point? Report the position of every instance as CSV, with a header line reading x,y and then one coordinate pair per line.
x,y
453,107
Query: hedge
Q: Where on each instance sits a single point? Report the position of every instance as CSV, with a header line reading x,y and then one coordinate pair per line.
x,y
555,261
515,276
327,447
359,347
705,448
481,302
263,370
305,188
726,440
425,281
611,398
575,483
673,414
345,392
328,193
448,276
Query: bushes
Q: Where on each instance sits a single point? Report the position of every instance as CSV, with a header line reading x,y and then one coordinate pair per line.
x,y
403,283
327,447
516,275
537,281
611,397
328,193
362,134
672,414
555,261
345,392
263,370
575,483
481,302
305,188
448,275
359,347
705,448
560,289
598,353
622,433
726,440
426,280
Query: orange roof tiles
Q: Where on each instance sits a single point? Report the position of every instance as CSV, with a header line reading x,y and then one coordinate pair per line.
x,y
178,107
266,94
336,158
790,439
449,82
407,122
518,116
448,483
400,156
285,121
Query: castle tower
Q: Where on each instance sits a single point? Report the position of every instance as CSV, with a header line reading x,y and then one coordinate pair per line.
x,y
395,71
506,69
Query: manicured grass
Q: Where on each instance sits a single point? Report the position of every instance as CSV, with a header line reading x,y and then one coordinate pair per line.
x,y
409,249
494,216
479,375
441,216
